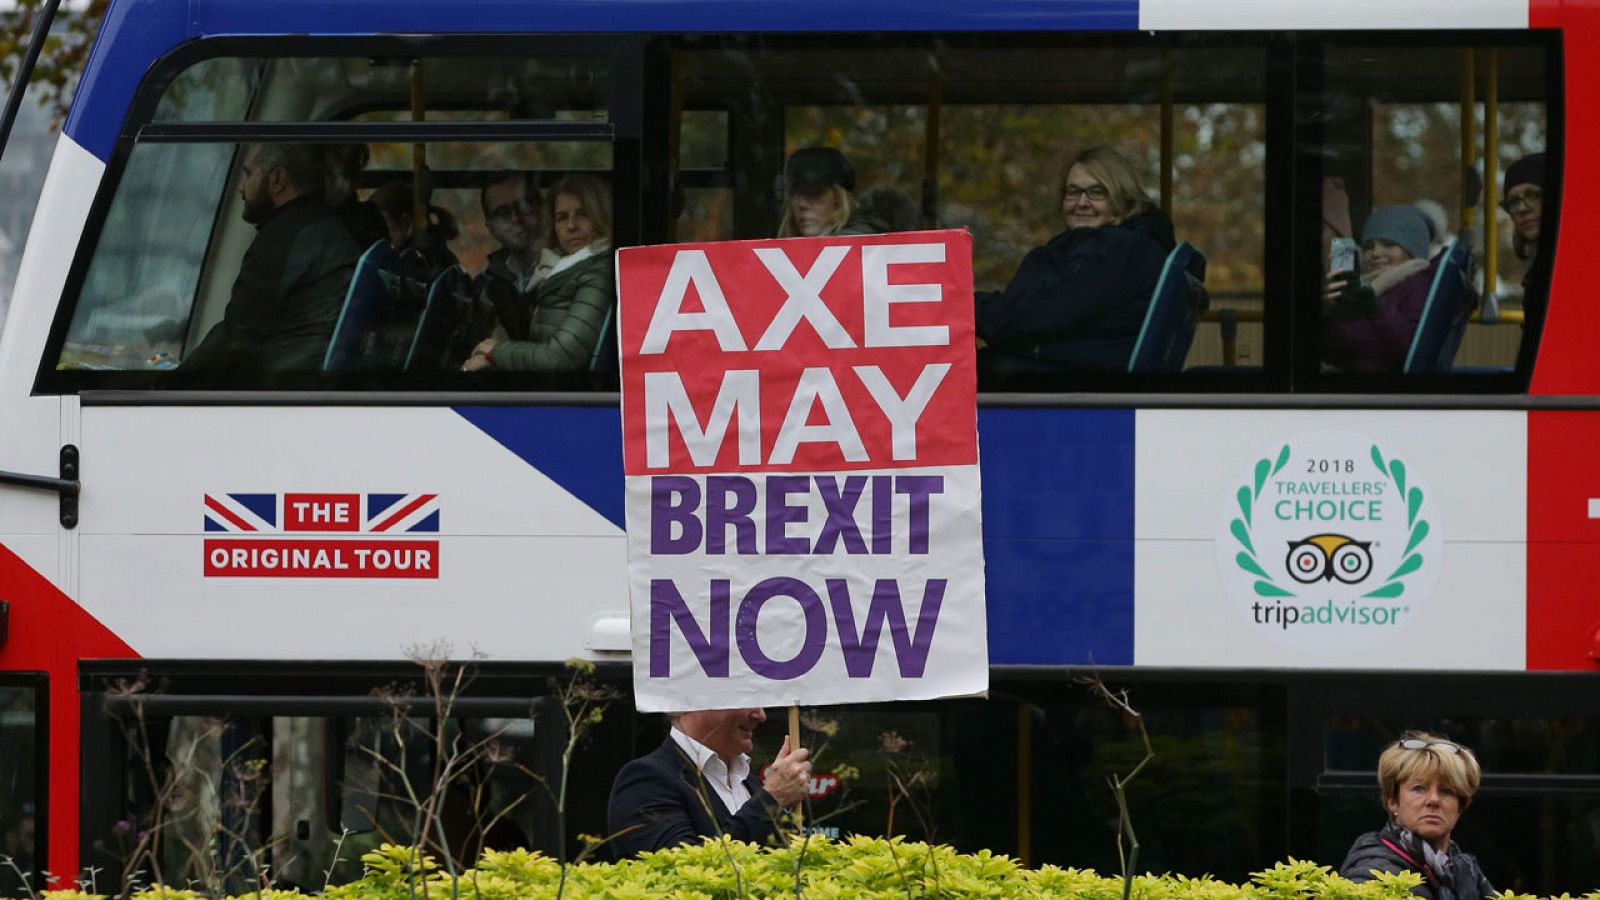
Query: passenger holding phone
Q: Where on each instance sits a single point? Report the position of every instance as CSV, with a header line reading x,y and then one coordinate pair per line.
x,y
1370,317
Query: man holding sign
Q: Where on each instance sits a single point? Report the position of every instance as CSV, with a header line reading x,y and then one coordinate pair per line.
x,y
801,450
699,783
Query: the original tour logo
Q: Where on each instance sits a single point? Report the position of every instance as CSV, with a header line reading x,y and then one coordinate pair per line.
x,y
322,535
1330,543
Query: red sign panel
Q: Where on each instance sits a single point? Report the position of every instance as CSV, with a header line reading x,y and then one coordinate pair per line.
x,y
826,354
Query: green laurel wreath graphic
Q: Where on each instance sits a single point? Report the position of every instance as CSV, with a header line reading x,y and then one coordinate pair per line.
x,y
1410,561
1247,495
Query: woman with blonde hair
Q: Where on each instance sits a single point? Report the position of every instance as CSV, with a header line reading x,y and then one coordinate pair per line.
x,y
817,201
1078,302
573,303
1427,782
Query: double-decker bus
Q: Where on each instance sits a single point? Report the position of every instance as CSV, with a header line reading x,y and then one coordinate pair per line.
x,y
1285,562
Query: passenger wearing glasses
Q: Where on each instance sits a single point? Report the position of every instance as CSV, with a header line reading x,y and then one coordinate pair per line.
x,y
1426,782
1524,203
513,213
1077,303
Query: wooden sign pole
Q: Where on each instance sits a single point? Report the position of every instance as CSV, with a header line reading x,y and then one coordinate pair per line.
x,y
794,744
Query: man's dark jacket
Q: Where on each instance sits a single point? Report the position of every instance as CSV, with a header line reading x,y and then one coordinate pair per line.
x,y
1077,303
661,800
287,297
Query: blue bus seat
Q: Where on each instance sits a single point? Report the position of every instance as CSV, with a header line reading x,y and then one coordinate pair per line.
x,y
364,305
604,356
1444,315
1174,311
435,323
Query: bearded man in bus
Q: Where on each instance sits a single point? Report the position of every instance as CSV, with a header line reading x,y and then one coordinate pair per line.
x,y
699,783
292,280
514,215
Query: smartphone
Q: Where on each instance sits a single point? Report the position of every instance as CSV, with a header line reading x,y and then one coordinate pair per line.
x,y
1341,255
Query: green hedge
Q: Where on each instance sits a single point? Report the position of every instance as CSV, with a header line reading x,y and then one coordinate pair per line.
x,y
858,867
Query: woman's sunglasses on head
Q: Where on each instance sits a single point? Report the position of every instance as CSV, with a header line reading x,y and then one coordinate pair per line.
x,y
1421,744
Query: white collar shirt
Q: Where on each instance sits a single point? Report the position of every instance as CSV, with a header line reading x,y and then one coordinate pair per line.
x,y
727,781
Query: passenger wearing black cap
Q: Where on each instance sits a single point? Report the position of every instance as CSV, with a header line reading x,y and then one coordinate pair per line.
x,y
1077,303
818,182
1523,200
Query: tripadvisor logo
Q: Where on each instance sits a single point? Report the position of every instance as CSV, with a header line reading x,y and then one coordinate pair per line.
x,y
1329,544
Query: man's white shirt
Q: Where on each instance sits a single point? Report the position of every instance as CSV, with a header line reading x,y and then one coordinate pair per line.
x,y
729,784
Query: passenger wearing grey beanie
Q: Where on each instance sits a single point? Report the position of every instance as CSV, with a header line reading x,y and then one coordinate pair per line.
x,y
1404,226
1368,329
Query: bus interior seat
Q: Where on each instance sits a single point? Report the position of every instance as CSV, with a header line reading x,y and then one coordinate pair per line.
x,y
1174,311
604,356
365,302
1444,314
434,326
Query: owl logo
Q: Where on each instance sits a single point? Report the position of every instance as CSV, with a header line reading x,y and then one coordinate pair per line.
x,y
1324,557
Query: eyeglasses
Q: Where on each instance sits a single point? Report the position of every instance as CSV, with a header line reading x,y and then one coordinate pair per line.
x,y
1095,192
1419,744
1530,199
523,207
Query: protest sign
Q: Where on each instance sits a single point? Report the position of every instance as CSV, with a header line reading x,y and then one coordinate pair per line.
x,y
800,445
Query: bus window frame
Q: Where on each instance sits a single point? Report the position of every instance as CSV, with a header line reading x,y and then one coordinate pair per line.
x,y
1308,142
637,116
622,128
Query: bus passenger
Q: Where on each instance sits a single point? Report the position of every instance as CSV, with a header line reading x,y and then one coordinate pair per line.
x,y
394,202
1426,783
342,164
1077,303
1368,321
292,280
573,303
512,210
1523,199
817,200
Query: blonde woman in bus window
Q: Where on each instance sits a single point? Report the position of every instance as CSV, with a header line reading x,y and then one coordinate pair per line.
x,y
573,302
1426,783
1077,303
817,201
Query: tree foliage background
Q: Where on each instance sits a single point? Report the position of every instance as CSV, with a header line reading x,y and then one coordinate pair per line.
x,y
64,53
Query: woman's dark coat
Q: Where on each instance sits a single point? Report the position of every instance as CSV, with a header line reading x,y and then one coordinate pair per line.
x,y
1077,303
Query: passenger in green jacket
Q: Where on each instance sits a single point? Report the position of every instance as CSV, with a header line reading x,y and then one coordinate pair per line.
x,y
573,304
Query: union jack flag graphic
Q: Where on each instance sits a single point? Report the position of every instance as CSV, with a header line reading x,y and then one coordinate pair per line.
x,y
397,513
241,512
410,513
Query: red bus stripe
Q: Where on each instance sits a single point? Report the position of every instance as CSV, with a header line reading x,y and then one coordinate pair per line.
x,y
228,514
406,510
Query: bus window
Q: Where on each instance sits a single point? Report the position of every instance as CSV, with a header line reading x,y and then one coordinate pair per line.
x,y
21,785
1417,142
314,89
184,254
211,90
704,200
946,133
306,796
